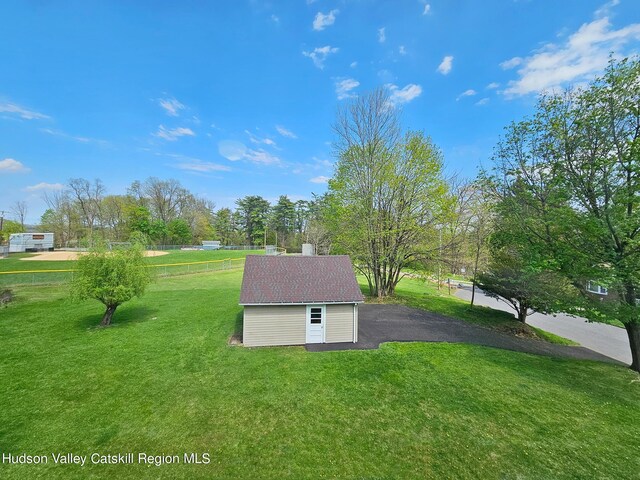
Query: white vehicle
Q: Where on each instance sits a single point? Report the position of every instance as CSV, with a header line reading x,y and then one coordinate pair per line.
x,y
30,242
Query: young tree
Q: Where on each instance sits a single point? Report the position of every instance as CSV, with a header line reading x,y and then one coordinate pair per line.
x,y
508,278
111,277
386,189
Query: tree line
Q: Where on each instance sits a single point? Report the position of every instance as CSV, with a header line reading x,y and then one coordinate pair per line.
x,y
167,213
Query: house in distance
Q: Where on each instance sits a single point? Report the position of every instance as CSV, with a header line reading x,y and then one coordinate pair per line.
x,y
293,300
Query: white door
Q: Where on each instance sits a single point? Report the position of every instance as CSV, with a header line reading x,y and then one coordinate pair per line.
x,y
315,323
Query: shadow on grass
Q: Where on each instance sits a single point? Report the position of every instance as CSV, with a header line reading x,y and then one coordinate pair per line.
x,y
237,330
123,316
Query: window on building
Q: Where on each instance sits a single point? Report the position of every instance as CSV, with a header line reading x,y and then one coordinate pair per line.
x,y
593,287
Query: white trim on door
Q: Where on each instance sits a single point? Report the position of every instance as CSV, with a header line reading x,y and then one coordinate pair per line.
x,y
316,332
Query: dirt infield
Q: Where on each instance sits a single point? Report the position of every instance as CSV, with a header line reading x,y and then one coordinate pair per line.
x,y
48,256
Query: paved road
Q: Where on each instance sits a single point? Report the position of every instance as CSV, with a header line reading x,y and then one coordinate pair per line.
x,y
605,339
397,323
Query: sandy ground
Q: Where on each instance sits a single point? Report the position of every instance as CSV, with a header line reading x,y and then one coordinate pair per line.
x,y
74,255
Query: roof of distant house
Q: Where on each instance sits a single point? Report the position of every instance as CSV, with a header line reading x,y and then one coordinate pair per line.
x,y
299,279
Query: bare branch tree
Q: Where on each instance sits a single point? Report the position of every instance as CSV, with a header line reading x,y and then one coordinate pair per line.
x,y
19,210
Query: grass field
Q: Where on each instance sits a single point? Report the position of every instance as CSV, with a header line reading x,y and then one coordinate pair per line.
x,y
15,271
14,262
162,380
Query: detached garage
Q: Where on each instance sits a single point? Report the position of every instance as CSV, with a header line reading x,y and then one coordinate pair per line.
x,y
293,300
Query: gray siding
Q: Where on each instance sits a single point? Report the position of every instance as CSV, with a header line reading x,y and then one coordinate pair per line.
x,y
339,323
274,325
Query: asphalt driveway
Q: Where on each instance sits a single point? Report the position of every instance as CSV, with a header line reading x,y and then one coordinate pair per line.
x,y
599,337
397,323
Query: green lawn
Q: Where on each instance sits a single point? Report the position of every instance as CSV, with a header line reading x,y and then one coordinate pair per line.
x,y
15,262
424,294
163,380
44,272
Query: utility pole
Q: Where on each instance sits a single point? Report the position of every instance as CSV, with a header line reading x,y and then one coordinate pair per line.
x,y
1,219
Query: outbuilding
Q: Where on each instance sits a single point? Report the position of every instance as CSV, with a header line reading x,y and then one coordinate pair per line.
x,y
293,300
30,242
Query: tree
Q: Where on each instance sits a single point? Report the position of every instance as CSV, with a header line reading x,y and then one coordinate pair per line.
x,y
480,228
387,188
9,227
62,218
253,212
179,232
507,278
19,210
89,199
111,277
223,225
283,218
572,177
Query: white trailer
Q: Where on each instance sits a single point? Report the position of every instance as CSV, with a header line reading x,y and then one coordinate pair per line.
x,y
211,245
30,242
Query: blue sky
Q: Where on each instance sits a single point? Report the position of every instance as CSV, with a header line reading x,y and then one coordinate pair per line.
x,y
235,98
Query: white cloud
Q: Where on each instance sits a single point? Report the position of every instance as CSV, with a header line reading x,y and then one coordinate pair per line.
x,y
467,93
234,151
344,87
320,54
319,179
258,141
605,10
382,36
427,9
511,63
482,101
76,138
9,165
386,76
174,133
322,21
446,65
583,55
493,85
402,50
262,157
43,186
171,106
398,96
21,112
285,132
353,64
202,167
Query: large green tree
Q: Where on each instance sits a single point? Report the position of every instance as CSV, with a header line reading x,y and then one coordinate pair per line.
x,y
570,177
283,218
253,214
111,277
386,190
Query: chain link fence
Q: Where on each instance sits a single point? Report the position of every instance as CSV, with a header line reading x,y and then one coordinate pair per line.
x,y
59,277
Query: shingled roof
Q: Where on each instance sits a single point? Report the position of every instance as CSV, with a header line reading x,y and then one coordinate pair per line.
x,y
299,279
